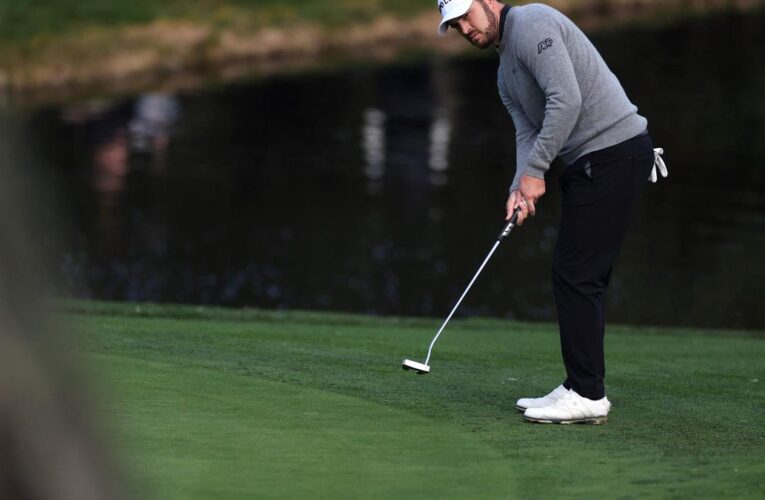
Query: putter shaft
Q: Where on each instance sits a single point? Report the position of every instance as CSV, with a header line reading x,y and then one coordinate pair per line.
x,y
506,231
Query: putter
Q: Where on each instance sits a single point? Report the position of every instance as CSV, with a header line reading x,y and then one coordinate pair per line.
x,y
422,368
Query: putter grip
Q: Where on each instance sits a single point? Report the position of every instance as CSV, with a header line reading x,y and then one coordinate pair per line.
x,y
510,224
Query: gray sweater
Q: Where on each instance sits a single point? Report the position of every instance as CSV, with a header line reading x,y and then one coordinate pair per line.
x,y
563,99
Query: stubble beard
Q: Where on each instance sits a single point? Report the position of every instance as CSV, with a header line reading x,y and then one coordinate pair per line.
x,y
491,32
484,43
490,35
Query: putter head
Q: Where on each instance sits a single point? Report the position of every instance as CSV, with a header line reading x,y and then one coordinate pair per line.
x,y
414,366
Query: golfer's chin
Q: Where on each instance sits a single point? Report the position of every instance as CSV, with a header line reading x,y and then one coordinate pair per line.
x,y
480,41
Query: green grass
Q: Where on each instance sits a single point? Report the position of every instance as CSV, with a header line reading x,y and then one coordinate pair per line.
x,y
216,403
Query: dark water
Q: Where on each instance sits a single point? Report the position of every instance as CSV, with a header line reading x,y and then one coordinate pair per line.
x,y
380,189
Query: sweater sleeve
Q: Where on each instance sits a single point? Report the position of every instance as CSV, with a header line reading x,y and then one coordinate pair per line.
x,y
525,133
541,49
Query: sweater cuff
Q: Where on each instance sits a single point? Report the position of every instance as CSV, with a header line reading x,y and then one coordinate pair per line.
x,y
536,171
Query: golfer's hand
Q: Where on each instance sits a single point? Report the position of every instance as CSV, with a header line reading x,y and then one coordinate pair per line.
x,y
514,201
526,197
532,189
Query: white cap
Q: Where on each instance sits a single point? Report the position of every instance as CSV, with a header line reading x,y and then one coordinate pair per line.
x,y
451,9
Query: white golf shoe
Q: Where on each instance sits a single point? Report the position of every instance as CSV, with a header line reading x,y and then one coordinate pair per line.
x,y
571,409
551,398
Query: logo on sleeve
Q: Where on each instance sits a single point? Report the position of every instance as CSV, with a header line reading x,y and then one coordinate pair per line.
x,y
544,45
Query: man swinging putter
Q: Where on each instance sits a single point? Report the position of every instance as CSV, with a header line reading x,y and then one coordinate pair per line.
x,y
565,102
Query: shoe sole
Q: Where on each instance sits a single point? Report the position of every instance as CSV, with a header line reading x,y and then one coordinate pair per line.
x,y
520,409
590,421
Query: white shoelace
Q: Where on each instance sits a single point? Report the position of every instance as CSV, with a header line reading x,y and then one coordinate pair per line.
x,y
658,163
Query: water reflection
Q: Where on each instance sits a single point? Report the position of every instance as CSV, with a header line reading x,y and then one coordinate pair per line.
x,y
373,144
440,135
379,190
110,162
152,125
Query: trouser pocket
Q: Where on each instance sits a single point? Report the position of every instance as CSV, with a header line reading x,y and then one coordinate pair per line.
x,y
593,176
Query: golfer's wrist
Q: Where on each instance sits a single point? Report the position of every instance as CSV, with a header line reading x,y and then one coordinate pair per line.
x,y
536,171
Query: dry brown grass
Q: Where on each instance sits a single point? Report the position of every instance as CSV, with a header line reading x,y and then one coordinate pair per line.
x,y
182,53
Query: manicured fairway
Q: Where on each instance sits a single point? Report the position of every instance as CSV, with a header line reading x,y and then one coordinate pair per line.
x,y
215,403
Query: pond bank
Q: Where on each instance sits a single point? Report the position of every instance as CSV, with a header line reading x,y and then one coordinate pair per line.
x,y
178,54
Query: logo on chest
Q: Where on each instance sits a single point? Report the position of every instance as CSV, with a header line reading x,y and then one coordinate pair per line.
x,y
544,45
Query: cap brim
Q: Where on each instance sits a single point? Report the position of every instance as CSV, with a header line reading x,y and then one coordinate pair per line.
x,y
444,26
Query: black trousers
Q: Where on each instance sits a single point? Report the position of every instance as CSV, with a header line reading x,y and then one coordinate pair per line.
x,y
599,191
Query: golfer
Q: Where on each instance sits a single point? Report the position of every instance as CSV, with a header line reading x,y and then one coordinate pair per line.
x,y
565,102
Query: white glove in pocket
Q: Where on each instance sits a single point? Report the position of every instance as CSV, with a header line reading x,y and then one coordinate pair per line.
x,y
658,163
